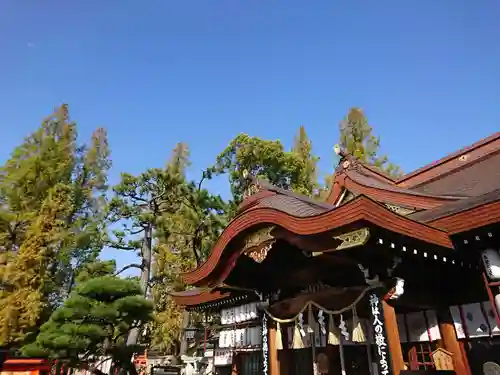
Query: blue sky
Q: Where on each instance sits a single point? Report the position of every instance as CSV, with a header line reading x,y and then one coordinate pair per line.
x,y
155,72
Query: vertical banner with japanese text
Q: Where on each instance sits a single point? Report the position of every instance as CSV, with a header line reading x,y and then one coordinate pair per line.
x,y
265,346
382,355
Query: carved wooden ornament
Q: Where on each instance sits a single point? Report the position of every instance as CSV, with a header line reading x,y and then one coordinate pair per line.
x,y
253,188
399,210
355,238
443,359
258,244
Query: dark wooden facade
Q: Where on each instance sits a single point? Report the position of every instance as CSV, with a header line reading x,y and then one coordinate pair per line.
x,y
418,241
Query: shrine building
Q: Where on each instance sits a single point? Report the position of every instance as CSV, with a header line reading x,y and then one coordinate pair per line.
x,y
387,276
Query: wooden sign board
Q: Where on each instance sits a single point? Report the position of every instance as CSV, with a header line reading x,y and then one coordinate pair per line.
x,y
443,359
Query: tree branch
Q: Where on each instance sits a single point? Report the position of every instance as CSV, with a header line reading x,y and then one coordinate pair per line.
x,y
132,326
122,247
135,197
195,243
134,265
203,176
133,233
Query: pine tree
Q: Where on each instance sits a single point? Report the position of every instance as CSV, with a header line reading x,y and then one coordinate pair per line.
x,y
169,217
93,323
357,139
266,160
142,204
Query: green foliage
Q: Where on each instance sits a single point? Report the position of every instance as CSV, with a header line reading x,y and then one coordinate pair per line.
x,y
182,242
302,146
51,220
164,214
27,277
54,217
93,322
97,268
268,160
356,138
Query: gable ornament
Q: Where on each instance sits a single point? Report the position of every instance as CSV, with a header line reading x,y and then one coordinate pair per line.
x,y
258,244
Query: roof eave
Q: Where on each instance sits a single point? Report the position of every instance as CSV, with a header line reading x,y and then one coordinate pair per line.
x,y
359,209
189,299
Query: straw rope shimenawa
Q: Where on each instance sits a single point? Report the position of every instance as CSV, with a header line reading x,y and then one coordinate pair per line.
x,y
318,306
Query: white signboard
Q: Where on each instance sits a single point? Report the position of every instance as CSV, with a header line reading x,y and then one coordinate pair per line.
x,y
223,357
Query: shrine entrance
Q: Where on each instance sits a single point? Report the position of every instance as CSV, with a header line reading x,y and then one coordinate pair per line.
x,y
344,341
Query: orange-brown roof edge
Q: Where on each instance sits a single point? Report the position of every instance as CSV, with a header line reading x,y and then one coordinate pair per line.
x,y
359,209
197,296
449,157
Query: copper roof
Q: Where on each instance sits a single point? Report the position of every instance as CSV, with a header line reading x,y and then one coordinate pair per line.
x,y
369,181
294,204
456,207
474,179
451,161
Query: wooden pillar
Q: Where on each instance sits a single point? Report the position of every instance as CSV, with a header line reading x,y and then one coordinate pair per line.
x,y
285,355
491,298
451,343
392,332
274,365
235,365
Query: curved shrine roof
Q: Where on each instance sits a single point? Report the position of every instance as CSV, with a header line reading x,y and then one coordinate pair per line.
x,y
358,209
463,182
471,171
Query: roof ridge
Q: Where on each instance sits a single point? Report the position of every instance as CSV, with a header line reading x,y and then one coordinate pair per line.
x,y
405,190
372,168
451,156
458,168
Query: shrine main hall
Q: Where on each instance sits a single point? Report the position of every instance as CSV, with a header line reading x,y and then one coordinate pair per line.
x,y
385,276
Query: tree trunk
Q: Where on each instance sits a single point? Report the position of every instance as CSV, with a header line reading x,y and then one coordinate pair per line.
x,y
185,324
147,257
